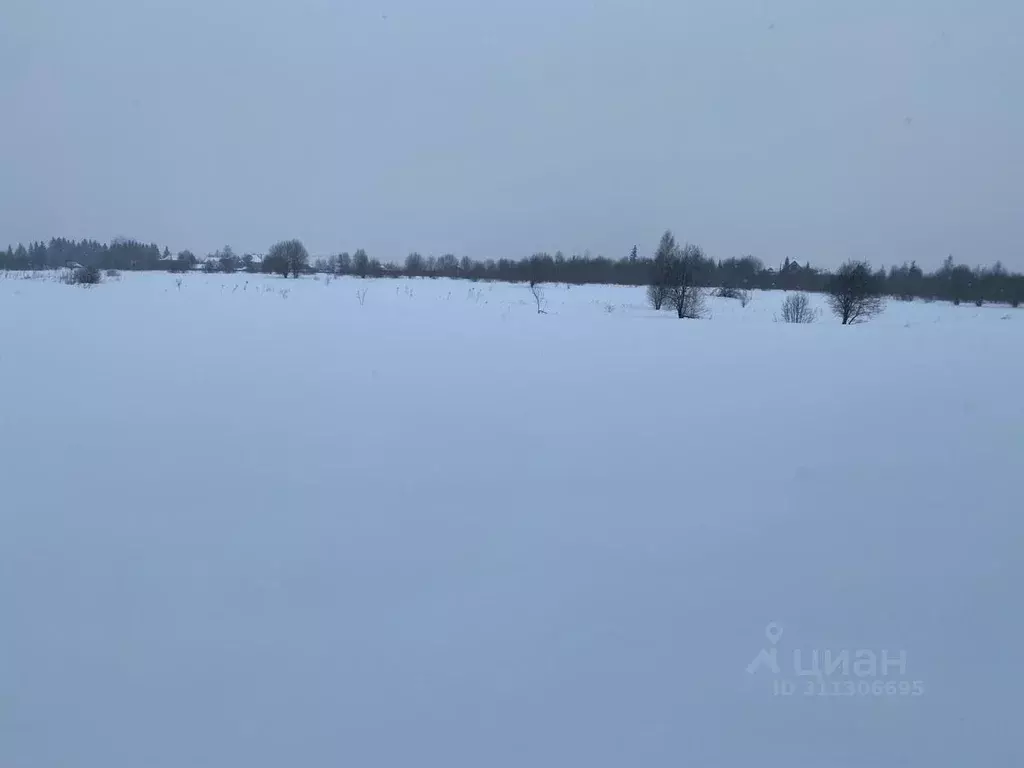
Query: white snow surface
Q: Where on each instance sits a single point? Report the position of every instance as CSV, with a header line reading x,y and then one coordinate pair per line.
x,y
243,529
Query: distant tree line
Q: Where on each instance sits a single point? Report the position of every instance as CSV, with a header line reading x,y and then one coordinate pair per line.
x,y
59,252
951,282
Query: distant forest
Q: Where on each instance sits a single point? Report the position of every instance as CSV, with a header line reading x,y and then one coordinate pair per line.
x,y
951,282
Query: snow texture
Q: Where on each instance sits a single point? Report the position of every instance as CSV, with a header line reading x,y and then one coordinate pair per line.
x,y
245,528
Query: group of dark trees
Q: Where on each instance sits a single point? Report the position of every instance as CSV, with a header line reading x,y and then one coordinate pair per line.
x,y
358,264
118,254
675,277
855,293
287,257
689,268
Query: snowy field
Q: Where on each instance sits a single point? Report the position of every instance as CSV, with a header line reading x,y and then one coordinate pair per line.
x,y
249,522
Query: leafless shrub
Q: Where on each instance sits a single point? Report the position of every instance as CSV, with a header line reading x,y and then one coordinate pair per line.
x,y
796,308
689,302
657,295
854,294
361,296
82,276
728,292
538,296
684,295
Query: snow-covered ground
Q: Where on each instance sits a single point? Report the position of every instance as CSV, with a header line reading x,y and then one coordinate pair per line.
x,y
244,528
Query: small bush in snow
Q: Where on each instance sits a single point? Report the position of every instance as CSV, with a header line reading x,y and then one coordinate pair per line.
x,y
796,308
82,276
727,292
656,296
689,301
113,273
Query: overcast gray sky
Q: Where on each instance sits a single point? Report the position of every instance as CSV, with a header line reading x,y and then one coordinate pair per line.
x,y
818,130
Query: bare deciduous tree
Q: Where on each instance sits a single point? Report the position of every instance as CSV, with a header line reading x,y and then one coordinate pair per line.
x,y
287,256
854,294
661,269
360,263
538,296
227,260
796,308
684,295
414,264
